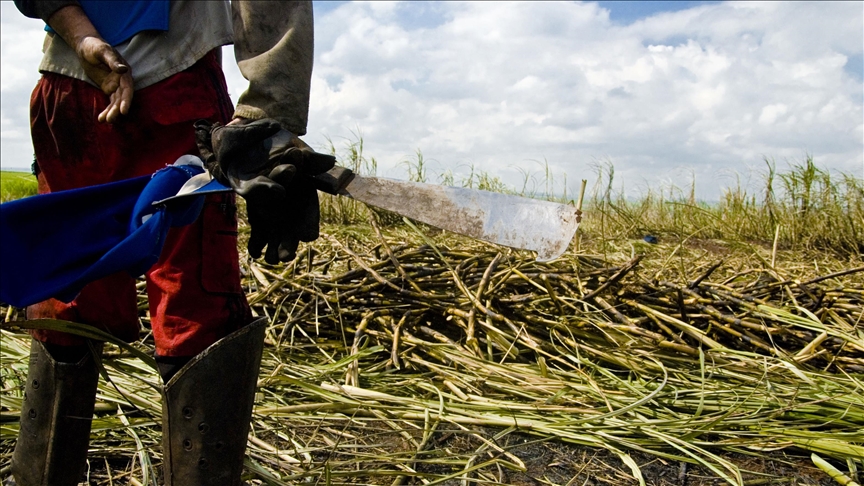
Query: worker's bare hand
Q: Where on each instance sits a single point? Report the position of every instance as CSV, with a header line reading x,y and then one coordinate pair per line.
x,y
101,62
107,68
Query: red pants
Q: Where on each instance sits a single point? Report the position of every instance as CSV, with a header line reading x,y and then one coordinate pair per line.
x,y
194,289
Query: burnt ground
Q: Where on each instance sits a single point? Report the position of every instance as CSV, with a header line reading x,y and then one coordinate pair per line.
x,y
557,463
547,463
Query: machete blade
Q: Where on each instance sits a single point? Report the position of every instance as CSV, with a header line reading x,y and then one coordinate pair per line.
x,y
518,222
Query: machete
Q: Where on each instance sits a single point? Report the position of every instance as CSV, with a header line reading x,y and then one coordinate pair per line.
x,y
517,222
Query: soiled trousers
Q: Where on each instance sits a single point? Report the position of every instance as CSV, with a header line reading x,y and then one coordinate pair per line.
x,y
194,289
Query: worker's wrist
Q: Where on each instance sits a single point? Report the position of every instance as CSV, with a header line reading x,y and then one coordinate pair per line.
x,y
73,25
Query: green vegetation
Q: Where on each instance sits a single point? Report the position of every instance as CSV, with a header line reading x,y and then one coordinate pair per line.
x,y
804,207
399,354
15,185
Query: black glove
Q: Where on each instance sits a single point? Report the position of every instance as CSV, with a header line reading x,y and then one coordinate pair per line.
x,y
295,165
271,168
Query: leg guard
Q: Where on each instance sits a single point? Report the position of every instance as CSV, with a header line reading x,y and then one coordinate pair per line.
x,y
55,420
206,409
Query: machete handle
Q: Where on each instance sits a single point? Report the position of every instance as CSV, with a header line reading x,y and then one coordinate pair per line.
x,y
334,180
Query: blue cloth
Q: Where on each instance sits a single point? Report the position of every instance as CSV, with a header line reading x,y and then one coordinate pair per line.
x,y
52,245
117,21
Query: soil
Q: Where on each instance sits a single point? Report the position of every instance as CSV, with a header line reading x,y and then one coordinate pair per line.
x,y
546,463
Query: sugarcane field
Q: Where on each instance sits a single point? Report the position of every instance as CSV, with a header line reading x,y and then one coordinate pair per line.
x,y
419,243
675,342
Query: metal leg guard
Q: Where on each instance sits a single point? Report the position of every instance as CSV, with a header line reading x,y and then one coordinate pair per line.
x,y
55,420
206,410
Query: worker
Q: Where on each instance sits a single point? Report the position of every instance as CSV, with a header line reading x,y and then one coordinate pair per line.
x,y
123,85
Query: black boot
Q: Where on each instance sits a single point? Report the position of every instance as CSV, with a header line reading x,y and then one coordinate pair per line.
x,y
206,410
55,417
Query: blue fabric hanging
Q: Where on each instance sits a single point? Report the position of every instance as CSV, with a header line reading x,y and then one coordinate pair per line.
x,y
52,245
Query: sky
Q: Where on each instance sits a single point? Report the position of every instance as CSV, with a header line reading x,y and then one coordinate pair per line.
x,y
667,93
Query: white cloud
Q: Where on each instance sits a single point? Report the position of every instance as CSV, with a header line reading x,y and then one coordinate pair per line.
x,y
703,91
771,112
706,89
20,52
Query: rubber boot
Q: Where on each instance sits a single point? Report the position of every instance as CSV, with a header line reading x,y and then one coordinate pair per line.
x,y
206,410
55,419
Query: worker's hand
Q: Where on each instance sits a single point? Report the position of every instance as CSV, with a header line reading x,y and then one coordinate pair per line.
x,y
294,165
101,62
271,168
107,68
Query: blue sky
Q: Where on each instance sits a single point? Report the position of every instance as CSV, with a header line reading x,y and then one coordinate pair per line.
x,y
666,92
627,12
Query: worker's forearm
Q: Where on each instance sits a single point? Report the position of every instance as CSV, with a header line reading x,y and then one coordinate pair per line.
x,y
73,25
273,44
42,9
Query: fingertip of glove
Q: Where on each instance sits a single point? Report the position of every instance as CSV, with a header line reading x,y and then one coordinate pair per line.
x,y
288,249
272,255
254,253
320,163
264,127
255,245
283,174
259,188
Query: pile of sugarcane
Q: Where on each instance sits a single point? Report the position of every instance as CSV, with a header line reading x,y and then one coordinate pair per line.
x,y
381,355
575,349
